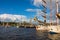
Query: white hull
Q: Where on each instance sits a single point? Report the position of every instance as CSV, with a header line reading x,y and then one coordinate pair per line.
x,y
41,27
55,29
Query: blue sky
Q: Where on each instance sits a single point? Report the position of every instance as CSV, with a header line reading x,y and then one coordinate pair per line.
x,y
15,7
19,7
27,8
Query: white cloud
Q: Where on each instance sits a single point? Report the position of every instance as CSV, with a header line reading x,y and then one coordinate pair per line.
x,y
12,18
15,18
37,2
30,10
37,11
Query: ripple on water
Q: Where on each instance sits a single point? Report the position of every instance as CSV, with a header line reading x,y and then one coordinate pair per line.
x,y
13,33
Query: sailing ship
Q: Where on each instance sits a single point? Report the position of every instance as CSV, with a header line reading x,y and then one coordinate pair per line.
x,y
51,28
55,29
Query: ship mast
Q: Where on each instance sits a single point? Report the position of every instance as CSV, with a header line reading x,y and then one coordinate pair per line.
x,y
51,12
44,10
56,11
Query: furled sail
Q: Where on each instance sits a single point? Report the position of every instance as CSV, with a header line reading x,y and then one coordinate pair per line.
x,y
58,15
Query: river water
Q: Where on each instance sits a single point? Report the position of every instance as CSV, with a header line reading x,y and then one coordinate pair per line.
x,y
13,33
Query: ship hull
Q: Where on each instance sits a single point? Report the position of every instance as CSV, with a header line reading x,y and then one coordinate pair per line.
x,y
41,27
54,29
51,29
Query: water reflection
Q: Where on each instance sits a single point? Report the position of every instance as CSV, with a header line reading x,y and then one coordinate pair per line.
x,y
54,36
47,36
14,33
42,35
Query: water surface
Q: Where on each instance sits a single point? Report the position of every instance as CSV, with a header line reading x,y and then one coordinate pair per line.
x,y
13,33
